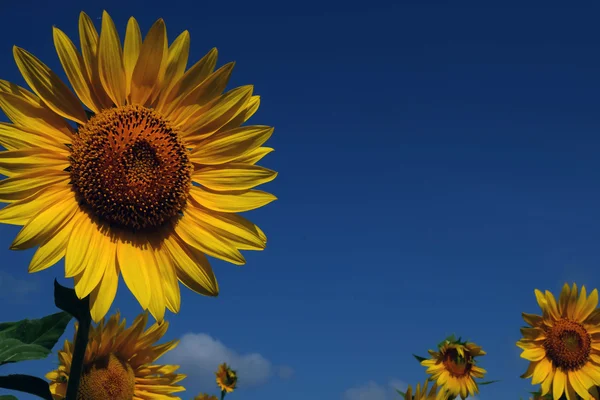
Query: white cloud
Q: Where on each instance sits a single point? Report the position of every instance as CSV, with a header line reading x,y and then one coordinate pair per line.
x,y
285,372
375,391
16,290
397,384
199,356
370,391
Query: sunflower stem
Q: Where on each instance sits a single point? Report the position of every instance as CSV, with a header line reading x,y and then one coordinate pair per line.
x,y
67,300
223,393
81,341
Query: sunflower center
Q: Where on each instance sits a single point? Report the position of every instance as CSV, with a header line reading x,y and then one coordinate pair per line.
x,y
107,378
568,345
130,168
455,364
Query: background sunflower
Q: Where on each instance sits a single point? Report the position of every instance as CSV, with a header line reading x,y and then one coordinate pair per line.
x,y
119,363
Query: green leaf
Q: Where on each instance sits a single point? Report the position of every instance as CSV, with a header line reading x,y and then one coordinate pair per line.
x,y
31,339
419,359
486,382
26,384
399,392
8,397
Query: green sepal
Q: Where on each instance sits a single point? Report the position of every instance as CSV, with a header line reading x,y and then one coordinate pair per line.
x,y
67,300
487,382
419,358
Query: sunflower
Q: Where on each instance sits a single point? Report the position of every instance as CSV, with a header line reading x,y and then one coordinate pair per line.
x,y
226,378
421,393
204,396
118,363
563,344
453,367
146,181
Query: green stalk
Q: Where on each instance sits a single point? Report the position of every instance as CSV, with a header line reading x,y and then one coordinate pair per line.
x,y
67,300
81,342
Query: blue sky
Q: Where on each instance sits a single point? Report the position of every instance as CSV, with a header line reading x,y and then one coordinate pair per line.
x,y
437,163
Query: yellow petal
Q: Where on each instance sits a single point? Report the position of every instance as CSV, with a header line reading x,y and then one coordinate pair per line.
x,y
570,393
541,371
215,114
157,302
534,354
101,255
48,86
170,284
79,244
547,383
533,333
551,306
75,69
103,295
541,299
585,308
151,63
110,61
20,212
192,78
89,49
53,249
193,269
579,383
186,107
564,299
572,303
37,118
45,223
230,227
233,177
18,91
88,37
176,61
206,241
133,257
23,161
14,137
532,319
231,202
24,185
243,114
254,156
223,147
559,383
131,50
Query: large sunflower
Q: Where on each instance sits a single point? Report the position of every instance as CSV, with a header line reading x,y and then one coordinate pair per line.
x,y
151,178
563,344
453,367
118,363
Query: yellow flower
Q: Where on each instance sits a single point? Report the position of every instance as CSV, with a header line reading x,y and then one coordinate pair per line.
x,y
118,363
453,368
563,344
151,180
226,378
204,396
421,393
